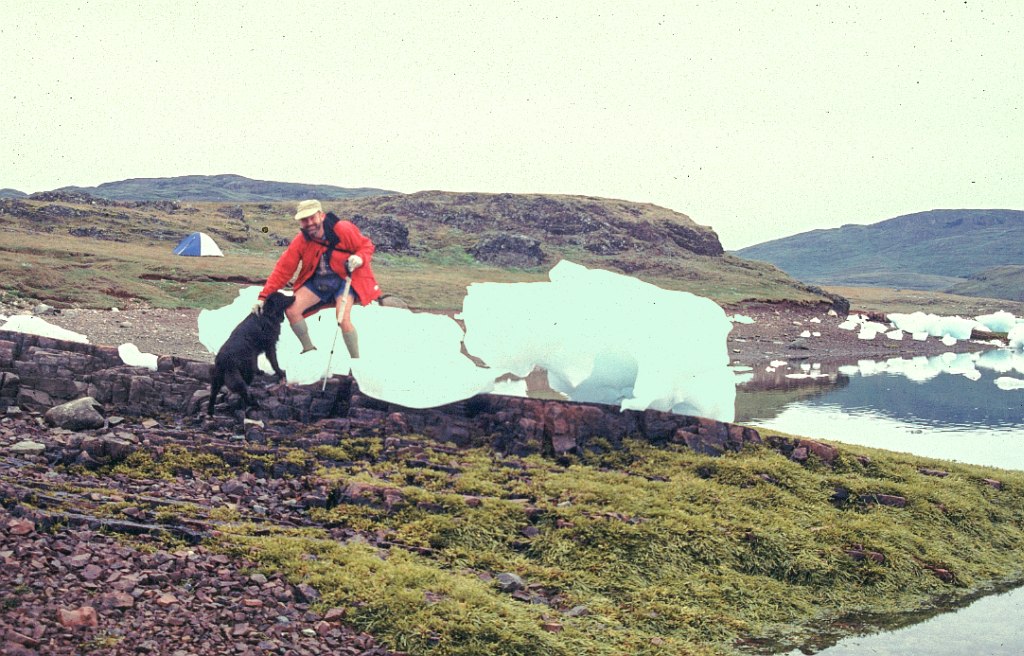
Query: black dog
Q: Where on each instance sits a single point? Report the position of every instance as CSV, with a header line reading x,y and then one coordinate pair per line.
x,y
235,364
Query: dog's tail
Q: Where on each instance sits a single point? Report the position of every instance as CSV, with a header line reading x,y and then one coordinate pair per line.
x,y
215,385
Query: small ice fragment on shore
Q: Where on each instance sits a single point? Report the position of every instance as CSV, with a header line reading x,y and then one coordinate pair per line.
x,y
26,323
133,357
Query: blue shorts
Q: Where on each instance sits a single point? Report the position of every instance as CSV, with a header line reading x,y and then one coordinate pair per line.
x,y
330,296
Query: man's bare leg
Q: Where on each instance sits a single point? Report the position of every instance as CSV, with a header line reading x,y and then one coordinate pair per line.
x,y
343,310
304,299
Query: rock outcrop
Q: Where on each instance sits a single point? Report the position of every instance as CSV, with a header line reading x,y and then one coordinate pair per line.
x,y
509,251
38,373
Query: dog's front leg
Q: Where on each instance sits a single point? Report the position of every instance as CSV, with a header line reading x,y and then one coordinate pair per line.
x,y
272,357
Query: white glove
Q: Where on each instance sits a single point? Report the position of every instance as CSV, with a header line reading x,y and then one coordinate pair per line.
x,y
354,262
257,308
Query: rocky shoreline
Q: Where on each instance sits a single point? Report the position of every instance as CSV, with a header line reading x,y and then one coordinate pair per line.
x,y
167,532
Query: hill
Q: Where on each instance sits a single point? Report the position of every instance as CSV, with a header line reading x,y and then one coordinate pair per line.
x,y
998,282
71,248
228,188
935,250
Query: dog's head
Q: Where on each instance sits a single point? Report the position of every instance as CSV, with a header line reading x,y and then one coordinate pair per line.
x,y
276,304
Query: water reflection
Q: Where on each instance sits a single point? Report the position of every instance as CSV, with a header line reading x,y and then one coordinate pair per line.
x,y
951,406
984,627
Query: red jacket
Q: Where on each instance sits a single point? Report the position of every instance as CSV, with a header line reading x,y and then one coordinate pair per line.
x,y
304,254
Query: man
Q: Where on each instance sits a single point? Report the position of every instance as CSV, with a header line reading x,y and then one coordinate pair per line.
x,y
326,251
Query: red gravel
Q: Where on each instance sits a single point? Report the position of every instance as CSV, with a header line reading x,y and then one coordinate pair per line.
x,y
74,591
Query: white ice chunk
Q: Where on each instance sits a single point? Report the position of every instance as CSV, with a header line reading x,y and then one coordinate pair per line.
x,y
805,333
32,325
601,337
412,359
895,334
1016,337
1007,383
131,356
652,348
740,318
998,322
949,340
935,325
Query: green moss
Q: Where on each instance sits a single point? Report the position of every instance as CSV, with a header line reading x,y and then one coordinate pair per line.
x,y
674,552
173,462
350,449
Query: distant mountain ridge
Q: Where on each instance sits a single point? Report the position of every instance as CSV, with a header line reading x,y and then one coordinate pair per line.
x,y
223,188
937,250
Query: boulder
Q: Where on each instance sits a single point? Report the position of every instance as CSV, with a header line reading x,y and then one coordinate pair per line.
x,y
10,385
80,414
387,233
106,449
508,582
27,448
509,250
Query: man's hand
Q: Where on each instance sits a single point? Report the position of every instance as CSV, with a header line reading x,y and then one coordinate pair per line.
x,y
257,308
354,262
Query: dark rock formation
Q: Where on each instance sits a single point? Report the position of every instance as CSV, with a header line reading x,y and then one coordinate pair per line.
x,y
59,196
38,373
388,234
510,251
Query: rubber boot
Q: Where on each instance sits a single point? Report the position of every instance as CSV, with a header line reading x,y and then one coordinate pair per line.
x,y
302,332
351,343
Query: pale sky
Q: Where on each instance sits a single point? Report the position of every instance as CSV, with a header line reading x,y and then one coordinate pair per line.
x,y
759,119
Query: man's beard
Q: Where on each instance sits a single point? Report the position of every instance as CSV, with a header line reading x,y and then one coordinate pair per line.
x,y
311,232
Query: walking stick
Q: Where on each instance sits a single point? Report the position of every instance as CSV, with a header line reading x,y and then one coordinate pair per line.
x,y
344,295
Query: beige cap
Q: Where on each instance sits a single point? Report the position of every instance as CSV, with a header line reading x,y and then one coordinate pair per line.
x,y
307,208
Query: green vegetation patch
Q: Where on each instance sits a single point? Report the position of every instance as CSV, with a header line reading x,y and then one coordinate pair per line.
x,y
670,552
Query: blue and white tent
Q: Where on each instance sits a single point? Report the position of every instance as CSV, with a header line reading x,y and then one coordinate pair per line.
x,y
198,243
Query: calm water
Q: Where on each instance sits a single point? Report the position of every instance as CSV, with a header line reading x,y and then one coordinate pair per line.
x,y
991,626
947,407
943,407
